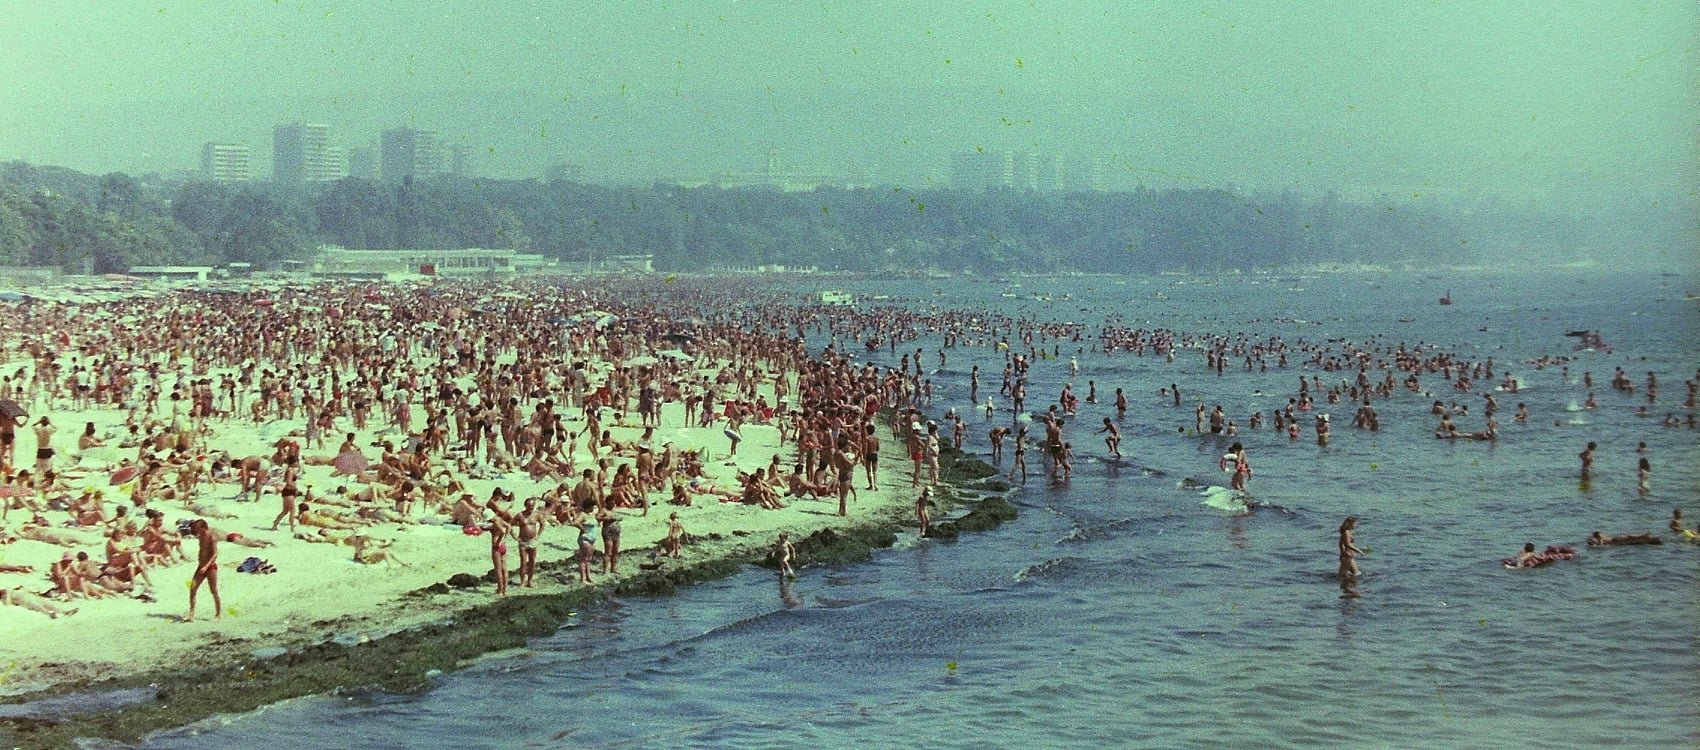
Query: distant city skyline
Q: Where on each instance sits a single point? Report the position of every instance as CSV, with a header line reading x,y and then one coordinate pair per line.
x,y
1518,99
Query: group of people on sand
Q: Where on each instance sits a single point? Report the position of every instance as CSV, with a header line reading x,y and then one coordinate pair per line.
x,y
457,384
519,393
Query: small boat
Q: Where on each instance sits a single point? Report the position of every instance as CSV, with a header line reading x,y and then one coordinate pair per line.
x,y
1447,300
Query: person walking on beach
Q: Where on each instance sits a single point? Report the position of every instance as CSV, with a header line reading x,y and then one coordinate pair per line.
x,y
291,473
1348,549
871,455
206,569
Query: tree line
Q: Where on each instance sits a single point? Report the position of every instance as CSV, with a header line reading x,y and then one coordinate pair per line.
x,y
58,217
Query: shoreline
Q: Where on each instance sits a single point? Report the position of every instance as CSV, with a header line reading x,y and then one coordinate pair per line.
x,y
403,642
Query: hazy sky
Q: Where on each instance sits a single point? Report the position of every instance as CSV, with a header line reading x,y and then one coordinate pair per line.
x,y
1521,98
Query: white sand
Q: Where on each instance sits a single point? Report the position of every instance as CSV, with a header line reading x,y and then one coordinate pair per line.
x,y
321,582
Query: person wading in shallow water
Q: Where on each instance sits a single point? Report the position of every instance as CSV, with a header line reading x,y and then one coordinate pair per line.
x,y
1348,549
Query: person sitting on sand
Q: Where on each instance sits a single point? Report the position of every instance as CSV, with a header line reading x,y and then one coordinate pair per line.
x,y
93,573
680,496
758,492
124,556
162,543
798,485
467,511
87,509
368,551
89,439
68,580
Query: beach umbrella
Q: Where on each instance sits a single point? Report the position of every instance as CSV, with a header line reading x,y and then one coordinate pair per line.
x,y
11,296
12,409
641,361
675,354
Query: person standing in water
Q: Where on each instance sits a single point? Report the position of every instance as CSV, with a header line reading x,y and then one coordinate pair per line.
x,y
1587,457
1348,549
1112,437
783,551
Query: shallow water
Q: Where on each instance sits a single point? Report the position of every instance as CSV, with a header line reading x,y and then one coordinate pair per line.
x,y
1122,610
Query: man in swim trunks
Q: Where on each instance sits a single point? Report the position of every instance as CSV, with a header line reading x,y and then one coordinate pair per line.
x,y
528,526
43,447
8,439
871,455
206,569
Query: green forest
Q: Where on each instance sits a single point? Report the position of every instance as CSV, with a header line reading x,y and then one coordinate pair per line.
x,y
51,216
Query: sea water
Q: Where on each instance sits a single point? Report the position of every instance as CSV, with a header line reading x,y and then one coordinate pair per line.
x,y
1121,610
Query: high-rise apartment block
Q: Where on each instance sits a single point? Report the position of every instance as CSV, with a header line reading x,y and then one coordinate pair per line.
x,y
1025,170
226,162
1006,170
410,153
302,152
363,162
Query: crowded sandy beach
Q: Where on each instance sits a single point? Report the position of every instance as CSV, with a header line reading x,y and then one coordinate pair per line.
x,y
287,465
